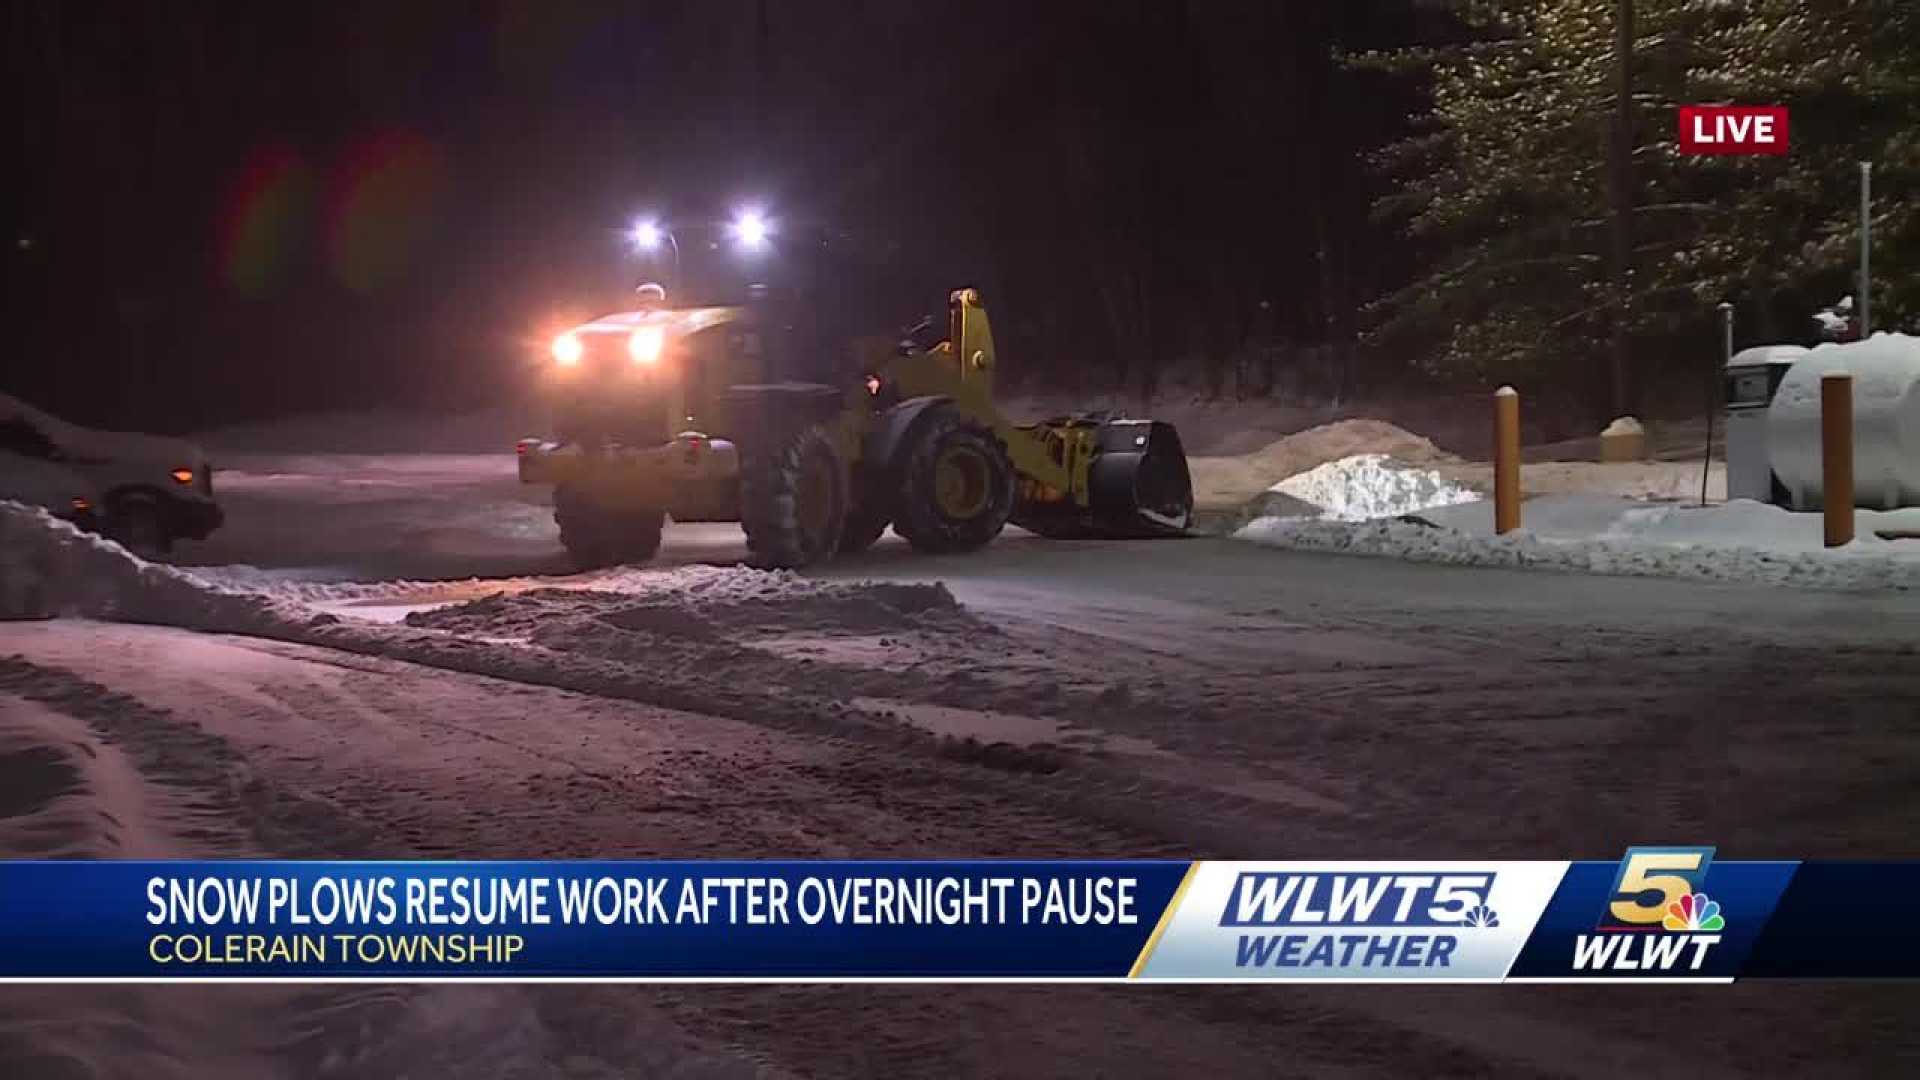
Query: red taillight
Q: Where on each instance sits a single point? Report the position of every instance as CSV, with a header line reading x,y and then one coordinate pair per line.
x,y
182,476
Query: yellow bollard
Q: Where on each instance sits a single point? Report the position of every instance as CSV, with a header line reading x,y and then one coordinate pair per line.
x,y
1506,460
1836,456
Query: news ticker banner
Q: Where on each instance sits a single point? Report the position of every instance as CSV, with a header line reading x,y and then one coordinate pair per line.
x,y
1669,913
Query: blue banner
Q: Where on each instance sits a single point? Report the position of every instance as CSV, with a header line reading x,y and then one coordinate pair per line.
x,y
1842,920
1060,920
1666,913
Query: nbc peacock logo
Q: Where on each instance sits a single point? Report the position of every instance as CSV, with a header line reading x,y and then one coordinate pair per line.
x,y
1694,913
1658,918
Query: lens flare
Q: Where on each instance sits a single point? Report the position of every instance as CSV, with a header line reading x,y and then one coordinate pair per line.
x,y
567,349
386,199
266,222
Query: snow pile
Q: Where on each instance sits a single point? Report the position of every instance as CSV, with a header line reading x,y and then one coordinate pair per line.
x,y
736,642
700,604
1368,486
1738,542
1345,438
1233,480
710,585
49,568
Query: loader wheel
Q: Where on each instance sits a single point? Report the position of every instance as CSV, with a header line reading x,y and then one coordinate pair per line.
x,y
956,486
793,499
596,536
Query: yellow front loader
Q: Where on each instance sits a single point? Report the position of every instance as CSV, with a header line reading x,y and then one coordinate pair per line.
x,y
675,416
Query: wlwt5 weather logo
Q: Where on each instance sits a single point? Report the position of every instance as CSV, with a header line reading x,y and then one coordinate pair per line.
x,y
1357,920
1658,919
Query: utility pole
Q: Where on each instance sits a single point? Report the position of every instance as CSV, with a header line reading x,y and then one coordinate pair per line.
x,y
1866,249
762,93
1620,184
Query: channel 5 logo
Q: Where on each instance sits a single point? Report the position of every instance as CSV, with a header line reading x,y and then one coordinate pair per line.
x,y
1733,129
1654,885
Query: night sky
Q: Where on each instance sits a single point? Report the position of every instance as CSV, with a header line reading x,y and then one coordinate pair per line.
x,y
226,212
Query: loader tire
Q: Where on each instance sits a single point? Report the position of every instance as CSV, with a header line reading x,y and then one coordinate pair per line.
x,y
596,536
956,486
793,499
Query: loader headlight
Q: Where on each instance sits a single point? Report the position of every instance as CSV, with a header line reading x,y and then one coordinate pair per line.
x,y
645,345
567,349
751,230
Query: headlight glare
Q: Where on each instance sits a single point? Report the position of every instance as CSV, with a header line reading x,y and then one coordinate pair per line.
x,y
646,344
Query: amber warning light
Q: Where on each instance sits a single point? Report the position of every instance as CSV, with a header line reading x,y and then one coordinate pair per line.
x,y
1733,129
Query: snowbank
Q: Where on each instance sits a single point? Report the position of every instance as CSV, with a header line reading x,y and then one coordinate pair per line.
x,y
1231,481
1740,541
48,568
665,638
1368,486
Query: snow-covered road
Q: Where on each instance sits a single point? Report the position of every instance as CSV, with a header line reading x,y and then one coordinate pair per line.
x,y
1201,697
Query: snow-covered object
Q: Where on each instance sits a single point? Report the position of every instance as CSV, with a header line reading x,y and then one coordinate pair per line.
x,y
1837,322
1886,422
1368,486
87,442
110,458
1623,440
1740,541
38,482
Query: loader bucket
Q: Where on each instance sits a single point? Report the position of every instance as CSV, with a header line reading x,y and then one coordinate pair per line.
x,y
1138,485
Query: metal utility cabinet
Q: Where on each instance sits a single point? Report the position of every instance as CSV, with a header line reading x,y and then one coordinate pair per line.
x,y
1752,377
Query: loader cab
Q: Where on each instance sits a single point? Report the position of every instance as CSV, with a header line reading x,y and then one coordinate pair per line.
x,y
805,293
701,316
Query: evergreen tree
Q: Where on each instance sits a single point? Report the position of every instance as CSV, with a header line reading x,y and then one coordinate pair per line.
x,y
1504,182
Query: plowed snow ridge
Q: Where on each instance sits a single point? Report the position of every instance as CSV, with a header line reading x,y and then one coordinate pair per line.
x,y
1740,542
50,568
